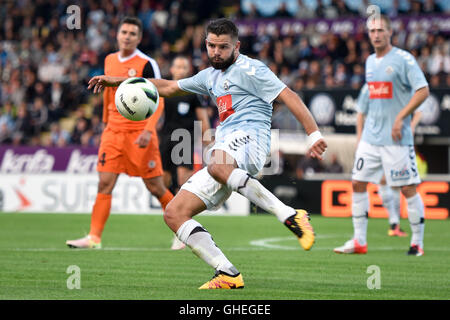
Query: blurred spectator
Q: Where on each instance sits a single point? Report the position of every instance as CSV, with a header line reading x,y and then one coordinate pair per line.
x,y
74,92
40,57
254,12
282,11
304,12
58,137
308,166
38,116
97,127
81,127
6,122
334,166
439,61
23,129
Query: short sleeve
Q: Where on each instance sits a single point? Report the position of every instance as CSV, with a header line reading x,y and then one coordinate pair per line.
x,y
263,82
414,75
362,103
195,84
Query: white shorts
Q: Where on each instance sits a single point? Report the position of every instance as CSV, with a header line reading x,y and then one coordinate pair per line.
x,y
249,152
211,192
397,163
248,148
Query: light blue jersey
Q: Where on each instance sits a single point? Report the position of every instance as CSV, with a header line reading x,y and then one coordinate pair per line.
x,y
243,93
390,83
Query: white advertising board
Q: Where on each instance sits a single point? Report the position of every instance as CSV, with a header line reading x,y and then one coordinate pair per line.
x,y
75,193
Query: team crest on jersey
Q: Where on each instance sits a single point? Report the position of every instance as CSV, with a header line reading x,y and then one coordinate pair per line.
x,y
389,70
132,72
226,86
151,164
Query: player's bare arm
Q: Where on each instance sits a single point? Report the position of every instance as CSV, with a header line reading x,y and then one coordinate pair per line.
x,y
98,83
360,118
301,112
419,96
166,88
415,120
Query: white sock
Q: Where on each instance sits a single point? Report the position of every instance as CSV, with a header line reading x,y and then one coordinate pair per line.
x,y
253,190
396,201
416,216
386,194
201,243
360,207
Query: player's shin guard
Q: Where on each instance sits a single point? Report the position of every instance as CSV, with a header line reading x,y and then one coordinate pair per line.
x,y
416,216
240,181
360,207
201,243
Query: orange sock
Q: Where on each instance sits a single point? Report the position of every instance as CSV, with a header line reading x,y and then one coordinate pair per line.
x,y
100,213
165,199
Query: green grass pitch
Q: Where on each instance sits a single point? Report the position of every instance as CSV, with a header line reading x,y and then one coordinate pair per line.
x,y
136,262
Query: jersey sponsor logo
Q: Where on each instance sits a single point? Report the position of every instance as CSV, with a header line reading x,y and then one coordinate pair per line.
x,y
402,174
380,90
225,107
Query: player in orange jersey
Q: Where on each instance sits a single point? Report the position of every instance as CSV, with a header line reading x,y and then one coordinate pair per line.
x,y
126,146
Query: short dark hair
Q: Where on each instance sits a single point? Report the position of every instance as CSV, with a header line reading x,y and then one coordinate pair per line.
x,y
131,20
223,26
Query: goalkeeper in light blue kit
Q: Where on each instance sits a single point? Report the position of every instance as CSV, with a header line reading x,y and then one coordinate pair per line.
x,y
244,90
397,87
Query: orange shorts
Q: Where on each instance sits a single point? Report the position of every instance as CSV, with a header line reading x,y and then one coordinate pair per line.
x,y
119,154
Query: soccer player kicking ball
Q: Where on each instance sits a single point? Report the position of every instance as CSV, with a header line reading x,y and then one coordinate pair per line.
x,y
243,89
397,87
126,146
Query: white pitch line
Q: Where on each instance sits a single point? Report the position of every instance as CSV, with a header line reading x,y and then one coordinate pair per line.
x,y
268,242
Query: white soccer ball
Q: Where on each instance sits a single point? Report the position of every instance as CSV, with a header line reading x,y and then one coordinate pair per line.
x,y
136,99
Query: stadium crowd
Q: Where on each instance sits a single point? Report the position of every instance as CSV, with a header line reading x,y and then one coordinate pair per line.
x,y
45,66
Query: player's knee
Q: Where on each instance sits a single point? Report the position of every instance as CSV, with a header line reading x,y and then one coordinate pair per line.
x,y
359,186
172,215
409,191
105,186
155,186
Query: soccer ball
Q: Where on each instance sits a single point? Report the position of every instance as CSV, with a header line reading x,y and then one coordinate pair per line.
x,y
136,99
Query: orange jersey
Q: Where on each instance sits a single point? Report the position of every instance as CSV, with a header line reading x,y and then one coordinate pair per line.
x,y
135,65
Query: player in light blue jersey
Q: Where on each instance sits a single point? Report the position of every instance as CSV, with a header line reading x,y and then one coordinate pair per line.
x,y
396,87
389,195
243,90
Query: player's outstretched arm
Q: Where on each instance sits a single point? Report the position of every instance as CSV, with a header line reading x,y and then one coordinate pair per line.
x,y
168,88
317,144
98,83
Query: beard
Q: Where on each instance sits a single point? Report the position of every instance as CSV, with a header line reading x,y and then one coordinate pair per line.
x,y
222,64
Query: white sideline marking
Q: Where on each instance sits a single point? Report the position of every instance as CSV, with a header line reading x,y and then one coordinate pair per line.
x,y
268,242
